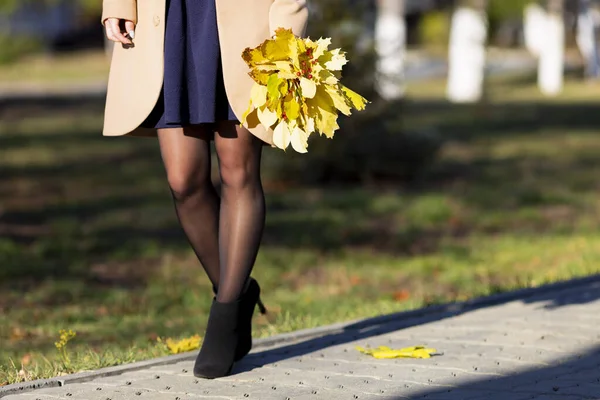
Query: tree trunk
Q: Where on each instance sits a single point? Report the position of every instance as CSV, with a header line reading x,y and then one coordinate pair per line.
x,y
390,45
552,55
534,24
587,27
466,57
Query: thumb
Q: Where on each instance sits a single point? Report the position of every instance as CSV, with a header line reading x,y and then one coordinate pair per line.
x,y
130,28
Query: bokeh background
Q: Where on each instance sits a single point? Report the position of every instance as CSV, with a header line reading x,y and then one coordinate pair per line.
x,y
474,170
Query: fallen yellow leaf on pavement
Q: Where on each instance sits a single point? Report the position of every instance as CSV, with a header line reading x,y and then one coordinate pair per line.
x,y
181,346
383,352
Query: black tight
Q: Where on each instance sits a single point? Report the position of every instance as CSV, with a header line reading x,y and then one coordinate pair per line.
x,y
224,232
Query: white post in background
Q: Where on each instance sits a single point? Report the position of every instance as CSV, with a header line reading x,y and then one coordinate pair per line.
x,y
390,46
534,25
552,55
466,57
588,20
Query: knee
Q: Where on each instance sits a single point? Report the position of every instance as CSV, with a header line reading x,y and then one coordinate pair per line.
x,y
185,184
237,172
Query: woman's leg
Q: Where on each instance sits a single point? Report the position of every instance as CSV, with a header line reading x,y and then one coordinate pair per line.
x,y
186,156
241,224
242,215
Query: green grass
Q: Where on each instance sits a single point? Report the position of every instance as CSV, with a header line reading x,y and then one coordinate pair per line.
x,y
39,68
89,240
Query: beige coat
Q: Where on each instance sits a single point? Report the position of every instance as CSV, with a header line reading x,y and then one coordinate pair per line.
x,y
136,73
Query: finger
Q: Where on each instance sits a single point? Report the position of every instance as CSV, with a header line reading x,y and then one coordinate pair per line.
x,y
109,34
116,31
108,24
130,29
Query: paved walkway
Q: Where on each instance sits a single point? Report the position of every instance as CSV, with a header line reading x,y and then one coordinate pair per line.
x,y
543,347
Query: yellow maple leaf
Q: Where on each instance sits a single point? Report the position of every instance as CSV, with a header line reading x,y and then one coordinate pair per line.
x,y
284,65
339,100
384,352
291,108
260,77
254,56
327,77
183,345
338,60
267,117
278,48
321,47
258,95
309,88
322,110
309,124
282,135
299,140
326,122
356,99
273,86
295,52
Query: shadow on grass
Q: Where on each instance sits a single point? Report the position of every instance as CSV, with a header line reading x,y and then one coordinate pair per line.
x,y
92,207
574,375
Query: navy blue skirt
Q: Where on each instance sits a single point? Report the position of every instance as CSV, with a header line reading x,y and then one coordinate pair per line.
x,y
193,91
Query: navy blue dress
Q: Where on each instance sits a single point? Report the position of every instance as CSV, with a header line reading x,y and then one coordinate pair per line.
x,y
193,90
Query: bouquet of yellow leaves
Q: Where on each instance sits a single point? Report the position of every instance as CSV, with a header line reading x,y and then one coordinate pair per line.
x,y
297,89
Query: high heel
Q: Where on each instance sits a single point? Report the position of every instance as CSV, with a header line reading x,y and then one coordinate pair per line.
x,y
261,306
218,352
249,300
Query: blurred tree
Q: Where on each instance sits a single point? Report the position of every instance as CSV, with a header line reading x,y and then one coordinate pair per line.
x,y
534,26
588,23
87,7
552,52
466,63
390,45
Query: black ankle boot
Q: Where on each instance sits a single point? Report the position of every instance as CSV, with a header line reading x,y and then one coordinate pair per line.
x,y
248,301
217,354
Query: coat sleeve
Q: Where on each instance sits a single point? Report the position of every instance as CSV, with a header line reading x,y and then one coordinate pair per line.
x,y
122,9
289,14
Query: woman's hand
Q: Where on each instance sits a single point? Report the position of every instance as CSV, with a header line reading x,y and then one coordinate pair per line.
x,y
114,30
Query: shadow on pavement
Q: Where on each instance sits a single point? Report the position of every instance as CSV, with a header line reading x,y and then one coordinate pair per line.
x,y
579,375
574,378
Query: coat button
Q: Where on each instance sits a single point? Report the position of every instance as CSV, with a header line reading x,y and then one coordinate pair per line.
x,y
156,20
